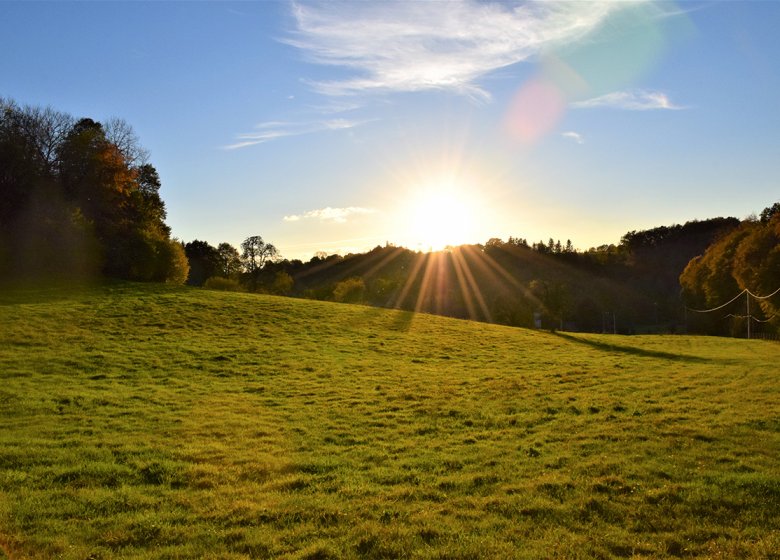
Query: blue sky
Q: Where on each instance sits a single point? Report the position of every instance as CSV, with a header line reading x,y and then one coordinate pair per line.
x,y
337,126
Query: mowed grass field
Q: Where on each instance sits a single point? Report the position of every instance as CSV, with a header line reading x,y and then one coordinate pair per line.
x,y
144,421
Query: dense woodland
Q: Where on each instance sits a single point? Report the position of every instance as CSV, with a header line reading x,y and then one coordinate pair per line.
x,y
632,287
627,288
745,259
79,200
651,282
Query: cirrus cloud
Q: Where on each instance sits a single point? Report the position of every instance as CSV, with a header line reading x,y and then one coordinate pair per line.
x,y
633,100
267,131
416,46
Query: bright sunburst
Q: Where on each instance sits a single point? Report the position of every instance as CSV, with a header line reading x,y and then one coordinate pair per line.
x,y
441,214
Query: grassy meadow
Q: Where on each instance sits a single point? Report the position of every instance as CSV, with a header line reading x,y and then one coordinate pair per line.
x,y
145,421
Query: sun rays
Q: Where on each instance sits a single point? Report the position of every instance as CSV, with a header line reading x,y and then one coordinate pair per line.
x,y
444,279
451,282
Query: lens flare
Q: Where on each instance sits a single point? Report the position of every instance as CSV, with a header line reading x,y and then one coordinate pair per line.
x,y
623,51
535,110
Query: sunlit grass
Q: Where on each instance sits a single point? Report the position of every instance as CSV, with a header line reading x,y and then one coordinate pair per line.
x,y
154,422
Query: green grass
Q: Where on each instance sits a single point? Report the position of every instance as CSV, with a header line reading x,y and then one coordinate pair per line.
x,y
140,421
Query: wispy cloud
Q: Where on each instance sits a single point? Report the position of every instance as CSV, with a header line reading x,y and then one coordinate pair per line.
x,y
633,100
267,131
338,124
415,46
575,136
337,105
328,214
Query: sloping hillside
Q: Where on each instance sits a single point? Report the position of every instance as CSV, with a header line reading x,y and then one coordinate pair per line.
x,y
143,421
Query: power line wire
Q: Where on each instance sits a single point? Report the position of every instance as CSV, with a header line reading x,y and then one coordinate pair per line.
x,y
732,300
754,318
762,297
764,320
749,316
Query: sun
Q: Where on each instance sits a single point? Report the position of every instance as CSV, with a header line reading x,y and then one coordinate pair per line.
x,y
440,214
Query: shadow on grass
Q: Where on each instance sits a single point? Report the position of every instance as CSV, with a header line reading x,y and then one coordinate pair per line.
x,y
29,292
401,320
633,350
16,292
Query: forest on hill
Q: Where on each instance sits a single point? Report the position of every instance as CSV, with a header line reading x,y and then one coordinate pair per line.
x,y
80,199
632,287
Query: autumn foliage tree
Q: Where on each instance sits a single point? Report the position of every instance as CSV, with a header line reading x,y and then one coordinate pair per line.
x,y
747,258
79,199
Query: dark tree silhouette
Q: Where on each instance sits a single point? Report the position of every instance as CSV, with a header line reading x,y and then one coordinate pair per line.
x,y
255,253
204,262
229,260
768,213
78,199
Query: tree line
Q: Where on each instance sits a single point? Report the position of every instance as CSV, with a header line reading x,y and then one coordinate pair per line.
x,y
630,287
747,257
79,199
223,267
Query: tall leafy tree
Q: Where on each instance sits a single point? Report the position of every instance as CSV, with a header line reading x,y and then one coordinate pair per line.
x,y
204,262
75,190
746,258
255,253
768,213
149,207
229,260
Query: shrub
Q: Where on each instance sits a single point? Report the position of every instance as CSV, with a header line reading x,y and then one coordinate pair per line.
x,y
173,264
283,284
351,290
223,284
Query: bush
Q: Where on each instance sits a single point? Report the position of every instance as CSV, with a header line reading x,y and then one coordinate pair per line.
x,y
173,266
283,284
351,290
223,284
